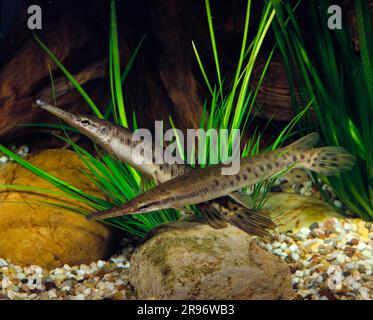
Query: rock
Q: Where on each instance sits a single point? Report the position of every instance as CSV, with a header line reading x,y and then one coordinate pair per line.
x,y
48,236
190,260
294,212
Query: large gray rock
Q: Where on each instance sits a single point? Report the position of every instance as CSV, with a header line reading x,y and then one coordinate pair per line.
x,y
190,260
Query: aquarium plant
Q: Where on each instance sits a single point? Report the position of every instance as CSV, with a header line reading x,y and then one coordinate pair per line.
x,y
229,106
328,69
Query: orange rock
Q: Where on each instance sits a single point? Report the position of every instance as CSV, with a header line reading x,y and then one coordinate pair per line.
x,y
48,236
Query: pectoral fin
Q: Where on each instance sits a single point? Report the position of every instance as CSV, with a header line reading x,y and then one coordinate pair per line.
x,y
212,216
242,198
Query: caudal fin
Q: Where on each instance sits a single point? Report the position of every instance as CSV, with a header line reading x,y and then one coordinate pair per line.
x,y
327,160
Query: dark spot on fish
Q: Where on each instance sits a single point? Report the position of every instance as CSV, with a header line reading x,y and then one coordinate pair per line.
x,y
322,165
238,178
161,167
128,141
217,182
245,176
269,166
231,182
309,161
294,158
261,168
256,174
277,164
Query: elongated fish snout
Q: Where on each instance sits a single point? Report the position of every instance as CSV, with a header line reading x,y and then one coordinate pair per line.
x,y
62,114
114,212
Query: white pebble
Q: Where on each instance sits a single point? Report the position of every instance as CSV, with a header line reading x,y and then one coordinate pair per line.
x,y
3,263
298,273
293,247
295,256
100,264
341,258
305,231
277,252
367,253
3,159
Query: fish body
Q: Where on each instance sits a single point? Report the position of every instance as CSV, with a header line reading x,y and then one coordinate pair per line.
x,y
202,185
117,141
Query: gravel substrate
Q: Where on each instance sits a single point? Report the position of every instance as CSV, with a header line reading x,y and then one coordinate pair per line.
x,y
329,261
97,281
21,151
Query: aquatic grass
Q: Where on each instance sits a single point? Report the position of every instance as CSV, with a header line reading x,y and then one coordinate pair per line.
x,y
341,82
228,107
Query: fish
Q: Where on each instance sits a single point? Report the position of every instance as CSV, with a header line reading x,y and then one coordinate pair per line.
x,y
205,184
117,141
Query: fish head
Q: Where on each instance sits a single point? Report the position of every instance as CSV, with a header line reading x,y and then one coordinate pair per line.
x,y
152,200
143,203
96,129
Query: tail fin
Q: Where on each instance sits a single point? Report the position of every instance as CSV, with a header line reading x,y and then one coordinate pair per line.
x,y
327,160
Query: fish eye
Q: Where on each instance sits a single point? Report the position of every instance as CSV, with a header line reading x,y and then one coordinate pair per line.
x,y
85,122
145,206
103,129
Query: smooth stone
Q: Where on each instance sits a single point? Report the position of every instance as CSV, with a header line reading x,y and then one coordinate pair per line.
x,y
190,260
50,237
294,212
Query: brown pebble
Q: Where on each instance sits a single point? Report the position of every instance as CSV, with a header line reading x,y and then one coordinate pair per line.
x,y
327,293
353,242
120,295
49,285
361,269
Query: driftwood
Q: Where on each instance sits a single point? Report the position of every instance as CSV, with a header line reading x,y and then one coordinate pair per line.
x,y
24,75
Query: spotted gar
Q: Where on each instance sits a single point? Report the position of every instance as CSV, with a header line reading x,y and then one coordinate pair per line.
x,y
202,185
117,141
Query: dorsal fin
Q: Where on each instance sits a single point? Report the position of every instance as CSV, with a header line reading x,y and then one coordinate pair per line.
x,y
304,143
